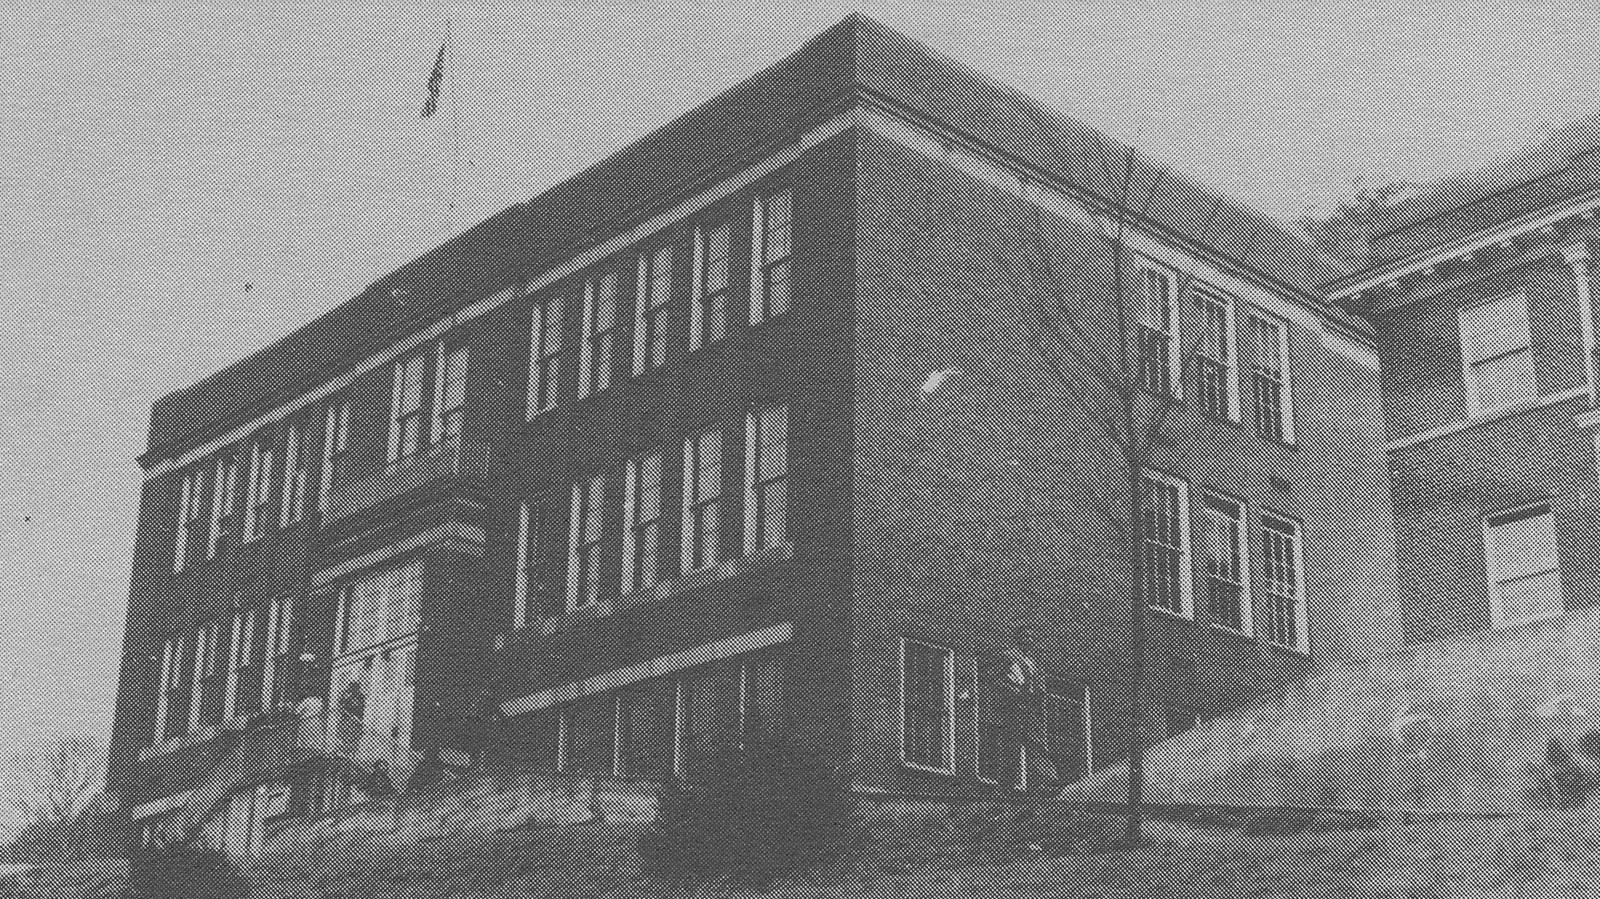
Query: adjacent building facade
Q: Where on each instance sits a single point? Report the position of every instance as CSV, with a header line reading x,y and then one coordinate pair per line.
x,y
773,426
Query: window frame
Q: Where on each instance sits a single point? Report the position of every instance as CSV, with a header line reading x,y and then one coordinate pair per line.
x,y
756,487
335,449
1185,548
1168,334
762,267
586,542
1283,525
599,343
174,682
547,351
258,490
283,639
242,656
411,372
702,513
193,516
706,300
1241,559
296,475
1477,408
949,706
1205,299
451,367
1284,380
210,673
635,526
1497,617
654,302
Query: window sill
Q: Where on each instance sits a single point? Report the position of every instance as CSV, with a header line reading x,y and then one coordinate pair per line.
x,y
1168,613
909,765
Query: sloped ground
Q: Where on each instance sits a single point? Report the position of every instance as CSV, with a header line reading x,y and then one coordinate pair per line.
x,y
904,849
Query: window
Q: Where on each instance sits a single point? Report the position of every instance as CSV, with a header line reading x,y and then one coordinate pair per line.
x,y
1524,574
649,719
589,736
177,689
1155,335
544,375
1266,357
927,706
335,450
224,505
1497,351
296,475
655,309
283,653
1165,543
1222,564
600,334
583,569
449,392
1280,613
380,607
708,321
641,539
258,491
408,411
247,665
192,522
766,483
702,480
1214,371
769,294
210,678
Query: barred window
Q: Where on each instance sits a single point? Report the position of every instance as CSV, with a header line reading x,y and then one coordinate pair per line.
x,y
769,295
544,375
1214,354
766,478
1266,353
927,706
600,334
1155,332
702,494
655,309
1222,563
583,569
708,321
1165,543
1280,612
641,548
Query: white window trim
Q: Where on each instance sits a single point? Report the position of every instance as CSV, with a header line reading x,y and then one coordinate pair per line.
x,y
586,373
1497,617
758,244
752,457
225,494
1285,369
444,350
1185,547
542,306
1145,268
580,501
692,463
1302,628
291,458
648,257
337,432
1476,409
1230,326
258,489
170,656
519,613
1242,547
697,336
950,705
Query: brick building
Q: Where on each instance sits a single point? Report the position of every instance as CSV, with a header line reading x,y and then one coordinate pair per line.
x,y
756,430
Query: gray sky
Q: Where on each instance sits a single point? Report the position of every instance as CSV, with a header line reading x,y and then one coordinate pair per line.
x,y
157,157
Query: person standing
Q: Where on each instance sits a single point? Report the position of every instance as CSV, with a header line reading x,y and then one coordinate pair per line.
x,y
1030,770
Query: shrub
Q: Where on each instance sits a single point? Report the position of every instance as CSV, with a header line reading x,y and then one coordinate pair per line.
x,y
183,872
756,819
1557,781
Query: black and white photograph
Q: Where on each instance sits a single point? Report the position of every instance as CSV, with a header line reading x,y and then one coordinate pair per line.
x,y
631,449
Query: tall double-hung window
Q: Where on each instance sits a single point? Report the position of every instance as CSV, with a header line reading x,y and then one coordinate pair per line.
x,y
1280,604
702,496
427,410
1266,357
224,504
654,321
1214,365
1155,336
296,474
548,352
247,665
1221,550
641,538
408,418
193,524
770,249
177,689
210,676
713,281
1165,543
1524,570
1497,352
258,490
766,484
587,535
335,450
598,356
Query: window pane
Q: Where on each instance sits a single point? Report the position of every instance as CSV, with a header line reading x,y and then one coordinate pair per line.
x,y
1524,573
1279,597
1221,563
1495,329
1163,545
1503,381
779,215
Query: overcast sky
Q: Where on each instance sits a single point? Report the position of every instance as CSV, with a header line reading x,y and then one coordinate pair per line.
x,y
182,183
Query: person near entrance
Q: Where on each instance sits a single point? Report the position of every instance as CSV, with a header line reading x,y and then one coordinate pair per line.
x,y
1029,765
